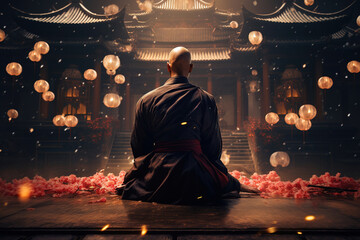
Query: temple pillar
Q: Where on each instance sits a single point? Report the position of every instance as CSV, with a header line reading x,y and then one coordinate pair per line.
x,y
319,101
157,80
239,105
209,84
127,123
265,103
97,89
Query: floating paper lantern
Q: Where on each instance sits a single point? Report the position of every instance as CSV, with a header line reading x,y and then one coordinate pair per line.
x,y
34,56
358,21
325,82
308,2
12,114
112,100
110,72
71,121
254,72
272,118
307,111
303,125
111,9
41,86
90,74
253,86
279,159
353,67
234,24
42,47
59,120
14,69
255,37
119,79
291,118
2,35
111,62
48,96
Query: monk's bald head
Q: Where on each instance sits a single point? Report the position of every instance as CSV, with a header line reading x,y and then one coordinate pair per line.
x,y
179,62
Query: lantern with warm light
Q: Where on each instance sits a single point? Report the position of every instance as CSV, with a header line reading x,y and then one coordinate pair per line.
x,y
59,120
111,9
279,159
307,111
291,118
353,66
254,72
119,79
34,56
358,21
90,74
14,69
2,35
303,124
308,2
272,118
42,47
253,86
255,37
112,100
48,96
41,86
111,62
71,121
12,114
234,24
325,82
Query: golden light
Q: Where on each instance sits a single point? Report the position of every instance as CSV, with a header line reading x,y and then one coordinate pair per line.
x,y
42,47
2,35
253,86
14,69
112,100
119,79
71,121
254,72
110,72
225,158
255,37
271,230
358,21
59,120
303,124
272,118
24,191
307,111
105,227
291,118
34,56
5,204
279,159
31,130
183,123
234,24
111,62
48,96
308,2
353,66
310,218
90,74
111,9
12,114
41,86
143,230
299,233
325,82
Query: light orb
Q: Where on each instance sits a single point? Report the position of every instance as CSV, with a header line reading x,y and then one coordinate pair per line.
x,y
59,120
111,62
255,37
279,159
48,96
325,82
2,35
90,74
12,114
119,79
41,86
71,121
14,69
303,124
353,67
272,118
308,2
234,24
112,100
42,47
307,111
291,118
34,56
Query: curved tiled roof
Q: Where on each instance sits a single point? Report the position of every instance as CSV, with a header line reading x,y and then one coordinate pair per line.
x,y
183,5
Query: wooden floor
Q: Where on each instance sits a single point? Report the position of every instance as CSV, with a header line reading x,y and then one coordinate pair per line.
x,y
250,217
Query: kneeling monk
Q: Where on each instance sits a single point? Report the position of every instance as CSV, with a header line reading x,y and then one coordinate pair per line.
x,y
177,144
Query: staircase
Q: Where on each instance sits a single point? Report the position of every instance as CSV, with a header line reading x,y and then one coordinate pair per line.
x,y
235,143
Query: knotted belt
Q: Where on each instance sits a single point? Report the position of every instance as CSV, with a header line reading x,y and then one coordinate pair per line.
x,y
193,145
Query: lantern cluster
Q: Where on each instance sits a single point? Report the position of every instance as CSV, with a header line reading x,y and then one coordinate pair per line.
x,y
40,48
69,121
42,86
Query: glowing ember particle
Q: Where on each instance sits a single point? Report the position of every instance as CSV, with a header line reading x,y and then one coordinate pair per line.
x,y
5,204
271,230
309,218
299,233
31,130
24,191
183,123
200,197
143,230
105,227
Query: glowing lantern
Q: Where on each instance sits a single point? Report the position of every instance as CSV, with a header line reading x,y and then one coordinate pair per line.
x,y
253,86
112,100
90,74
111,9
255,37
303,125
71,121
110,72
2,35
254,72
234,24
272,118
48,96
41,86
353,67
279,159
358,21
111,62
291,118
307,111
14,69
325,82
59,120
308,2
119,79
42,47
34,56
24,191
12,114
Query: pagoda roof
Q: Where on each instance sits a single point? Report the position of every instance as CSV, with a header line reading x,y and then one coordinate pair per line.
x,y
183,5
197,54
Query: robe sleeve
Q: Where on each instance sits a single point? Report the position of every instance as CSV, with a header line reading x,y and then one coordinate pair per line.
x,y
211,142
141,140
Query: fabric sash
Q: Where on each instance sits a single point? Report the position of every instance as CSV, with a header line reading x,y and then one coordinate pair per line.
x,y
193,145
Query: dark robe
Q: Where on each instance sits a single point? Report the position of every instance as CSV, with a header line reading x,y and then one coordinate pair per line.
x,y
177,112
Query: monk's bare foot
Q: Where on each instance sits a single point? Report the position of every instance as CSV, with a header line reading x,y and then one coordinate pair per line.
x,y
245,188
